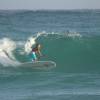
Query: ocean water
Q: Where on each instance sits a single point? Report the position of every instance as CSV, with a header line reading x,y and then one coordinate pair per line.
x,y
69,38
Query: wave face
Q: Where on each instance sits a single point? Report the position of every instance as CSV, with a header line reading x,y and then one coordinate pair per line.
x,y
71,51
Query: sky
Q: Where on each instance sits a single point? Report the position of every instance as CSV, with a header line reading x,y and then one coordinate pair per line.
x,y
49,4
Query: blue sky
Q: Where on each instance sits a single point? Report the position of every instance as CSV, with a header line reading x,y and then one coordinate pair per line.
x,y
49,4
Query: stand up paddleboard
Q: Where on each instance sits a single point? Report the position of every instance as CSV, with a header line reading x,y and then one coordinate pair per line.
x,y
39,64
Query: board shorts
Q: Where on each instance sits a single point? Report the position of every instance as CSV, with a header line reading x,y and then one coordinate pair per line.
x,y
33,56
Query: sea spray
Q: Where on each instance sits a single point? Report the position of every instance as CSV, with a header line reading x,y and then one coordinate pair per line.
x,y
7,46
28,45
32,41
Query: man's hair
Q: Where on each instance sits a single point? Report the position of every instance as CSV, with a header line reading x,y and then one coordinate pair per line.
x,y
37,44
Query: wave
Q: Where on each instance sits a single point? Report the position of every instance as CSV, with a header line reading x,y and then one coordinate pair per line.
x,y
71,51
68,50
8,46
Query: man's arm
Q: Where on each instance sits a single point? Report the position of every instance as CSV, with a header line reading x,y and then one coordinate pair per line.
x,y
39,52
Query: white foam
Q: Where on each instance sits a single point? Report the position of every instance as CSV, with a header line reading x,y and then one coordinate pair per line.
x,y
32,41
29,43
65,34
6,52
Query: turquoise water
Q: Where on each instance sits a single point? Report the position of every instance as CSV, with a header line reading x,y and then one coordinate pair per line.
x,y
69,38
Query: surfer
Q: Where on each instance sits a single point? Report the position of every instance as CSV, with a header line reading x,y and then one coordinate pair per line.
x,y
36,50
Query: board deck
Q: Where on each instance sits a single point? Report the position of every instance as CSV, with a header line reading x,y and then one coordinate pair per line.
x,y
38,64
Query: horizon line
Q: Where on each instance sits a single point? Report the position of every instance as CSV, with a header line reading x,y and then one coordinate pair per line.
x,y
53,9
